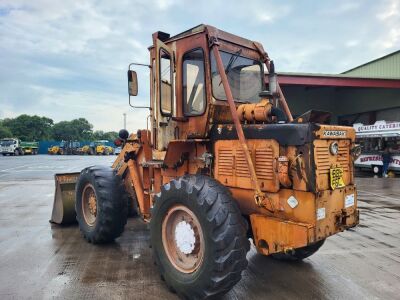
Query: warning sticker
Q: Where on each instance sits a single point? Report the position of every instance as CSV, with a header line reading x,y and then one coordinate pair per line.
x,y
321,213
349,200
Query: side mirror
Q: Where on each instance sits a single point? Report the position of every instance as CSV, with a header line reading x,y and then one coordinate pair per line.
x,y
132,83
272,79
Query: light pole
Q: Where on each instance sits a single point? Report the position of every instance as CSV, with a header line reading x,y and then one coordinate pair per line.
x,y
124,120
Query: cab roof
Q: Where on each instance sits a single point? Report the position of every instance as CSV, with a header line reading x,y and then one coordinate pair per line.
x,y
210,31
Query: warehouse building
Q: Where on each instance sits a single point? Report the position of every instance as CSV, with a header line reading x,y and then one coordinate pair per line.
x,y
362,94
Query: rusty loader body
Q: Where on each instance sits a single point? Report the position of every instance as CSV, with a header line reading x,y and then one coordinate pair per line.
x,y
223,161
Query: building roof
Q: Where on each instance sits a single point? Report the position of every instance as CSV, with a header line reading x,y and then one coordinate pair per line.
x,y
334,80
383,72
387,66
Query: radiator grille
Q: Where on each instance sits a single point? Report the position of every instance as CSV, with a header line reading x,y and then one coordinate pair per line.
x,y
231,166
225,162
264,160
265,163
324,159
241,165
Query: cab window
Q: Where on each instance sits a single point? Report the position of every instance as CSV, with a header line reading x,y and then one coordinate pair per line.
x,y
194,93
165,82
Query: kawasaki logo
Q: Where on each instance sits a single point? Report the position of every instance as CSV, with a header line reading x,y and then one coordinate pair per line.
x,y
335,133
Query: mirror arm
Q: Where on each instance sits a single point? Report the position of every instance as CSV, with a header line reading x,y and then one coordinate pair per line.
x,y
138,64
133,106
129,68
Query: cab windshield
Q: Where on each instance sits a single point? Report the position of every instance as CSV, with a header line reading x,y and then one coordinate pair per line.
x,y
245,77
6,143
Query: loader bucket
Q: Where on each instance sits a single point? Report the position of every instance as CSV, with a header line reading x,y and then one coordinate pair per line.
x,y
64,199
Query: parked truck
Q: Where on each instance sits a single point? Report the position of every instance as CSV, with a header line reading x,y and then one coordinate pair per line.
x,y
374,140
224,161
14,146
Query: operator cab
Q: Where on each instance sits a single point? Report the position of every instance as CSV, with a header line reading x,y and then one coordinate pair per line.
x,y
187,93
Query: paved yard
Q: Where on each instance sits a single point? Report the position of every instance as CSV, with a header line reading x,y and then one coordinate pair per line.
x,y
39,260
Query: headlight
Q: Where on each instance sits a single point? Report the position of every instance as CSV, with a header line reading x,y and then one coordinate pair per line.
x,y
334,148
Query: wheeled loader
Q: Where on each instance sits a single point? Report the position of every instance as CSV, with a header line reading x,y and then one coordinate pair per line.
x,y
224,161
65,148
97,148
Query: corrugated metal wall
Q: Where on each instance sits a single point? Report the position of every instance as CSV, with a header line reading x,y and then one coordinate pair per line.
x,y
386,67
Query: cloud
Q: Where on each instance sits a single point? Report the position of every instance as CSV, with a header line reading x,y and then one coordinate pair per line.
x,y
68,59
389,11
389,20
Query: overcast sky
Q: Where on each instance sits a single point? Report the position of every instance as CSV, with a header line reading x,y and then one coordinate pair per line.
x,y
68,59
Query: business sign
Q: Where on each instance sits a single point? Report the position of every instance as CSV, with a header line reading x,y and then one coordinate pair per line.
x,y
376,160
378,126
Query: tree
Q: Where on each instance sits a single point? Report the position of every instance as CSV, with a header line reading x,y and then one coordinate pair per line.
x,y
101,135
29,128
5,132
35,128
82,128
77,129
63,131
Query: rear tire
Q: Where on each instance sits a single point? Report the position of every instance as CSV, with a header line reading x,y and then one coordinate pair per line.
x,y
101,204
299,253
210,261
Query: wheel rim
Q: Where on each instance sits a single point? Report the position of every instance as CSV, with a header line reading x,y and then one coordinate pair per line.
x,y
89,205
183,239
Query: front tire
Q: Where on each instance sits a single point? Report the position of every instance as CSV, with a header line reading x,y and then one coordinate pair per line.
x,y
101,204
198,236
299,253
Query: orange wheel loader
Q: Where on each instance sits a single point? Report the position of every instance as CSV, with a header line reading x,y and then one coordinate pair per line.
x,y
224,161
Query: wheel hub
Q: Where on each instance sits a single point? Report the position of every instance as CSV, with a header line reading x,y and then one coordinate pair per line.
x,y
182,238
89,205
92,204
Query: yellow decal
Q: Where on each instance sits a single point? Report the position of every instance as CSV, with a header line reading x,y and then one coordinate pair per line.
x,y
336,178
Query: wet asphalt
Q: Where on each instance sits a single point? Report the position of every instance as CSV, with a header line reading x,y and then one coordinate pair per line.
x,y
39,260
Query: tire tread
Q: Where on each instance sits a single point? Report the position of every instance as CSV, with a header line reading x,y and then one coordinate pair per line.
x,y
229,233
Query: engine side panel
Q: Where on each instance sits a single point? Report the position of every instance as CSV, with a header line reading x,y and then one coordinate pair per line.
x,y
231,169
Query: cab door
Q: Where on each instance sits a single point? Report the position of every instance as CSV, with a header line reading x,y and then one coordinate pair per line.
x,y
165,108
